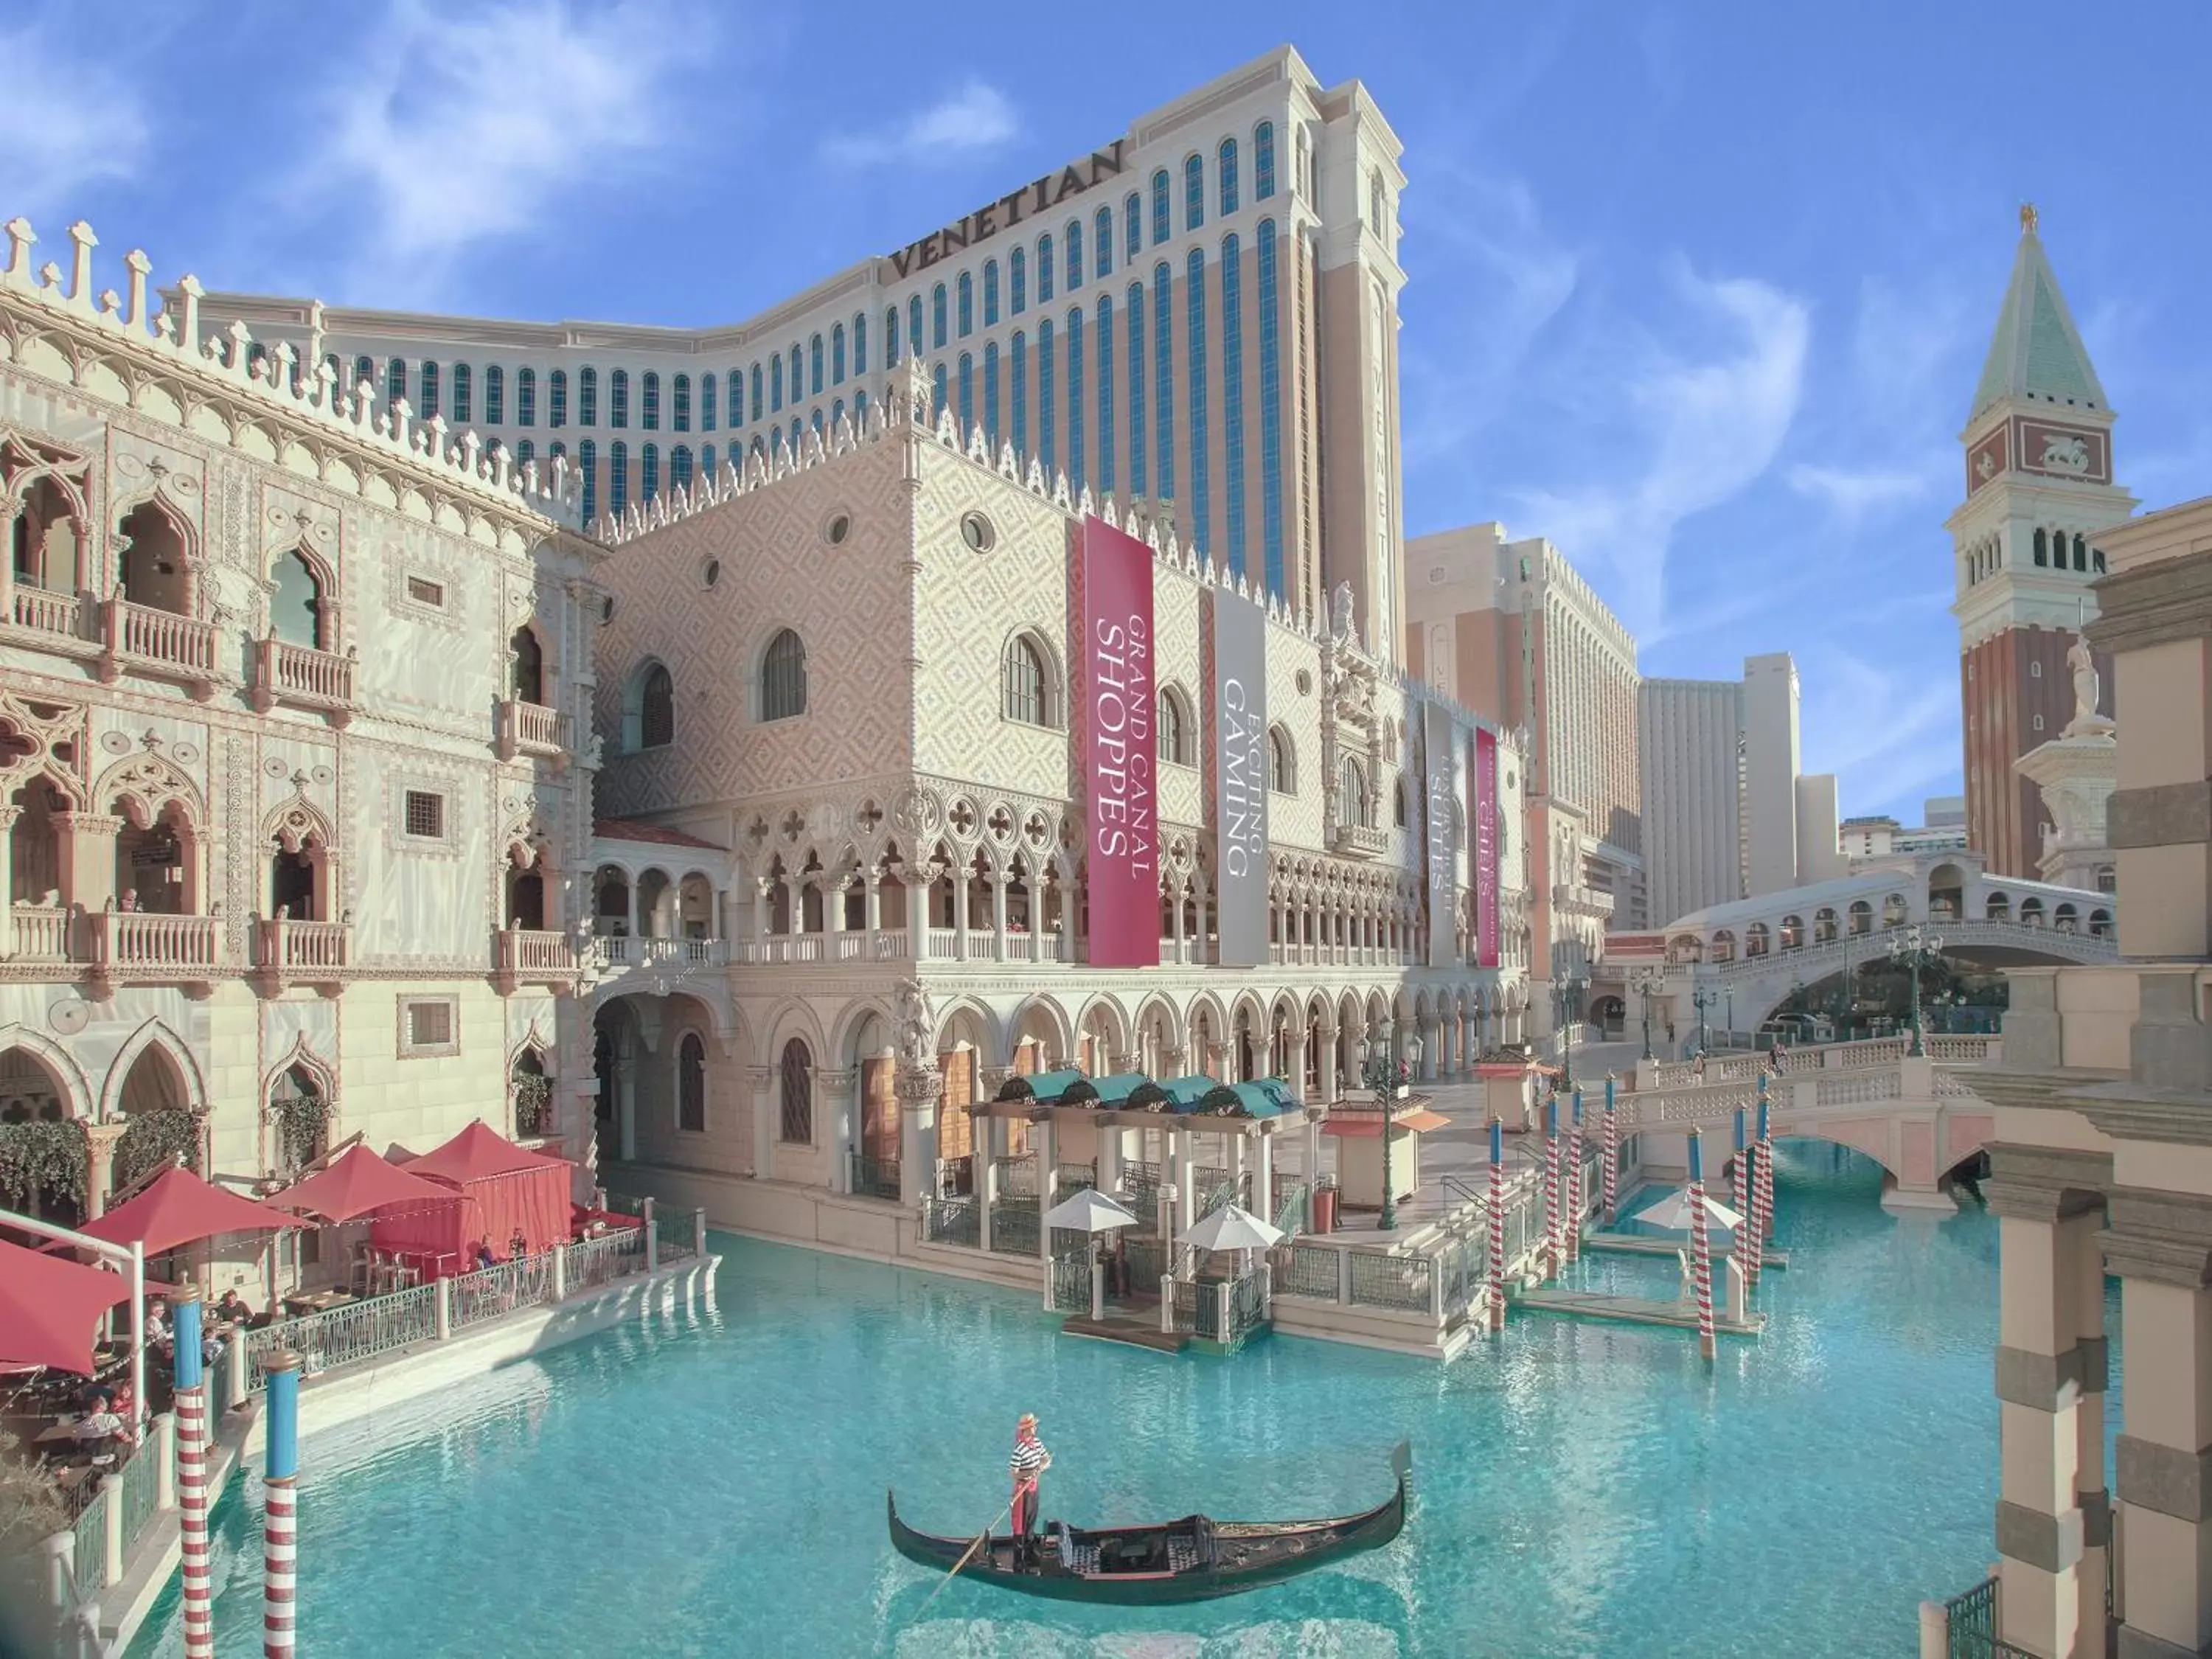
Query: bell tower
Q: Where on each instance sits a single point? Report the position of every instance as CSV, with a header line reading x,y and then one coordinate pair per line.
x,y
2038,450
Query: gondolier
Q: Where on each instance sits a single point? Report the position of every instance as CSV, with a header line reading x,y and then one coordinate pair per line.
x,y
1030,1460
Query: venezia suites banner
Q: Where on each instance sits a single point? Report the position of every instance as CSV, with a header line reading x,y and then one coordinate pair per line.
x,y
1240,727
1442,757
1485,847
1119,748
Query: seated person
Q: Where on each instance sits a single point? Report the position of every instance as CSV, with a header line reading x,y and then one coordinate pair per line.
x,y
157,1325
99,1429
231,1310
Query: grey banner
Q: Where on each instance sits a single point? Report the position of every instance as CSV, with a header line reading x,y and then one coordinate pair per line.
x,y
1240,748
1442,757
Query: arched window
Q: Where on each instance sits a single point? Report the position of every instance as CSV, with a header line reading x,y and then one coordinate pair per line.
x,y
2081,552
587,396
796,1072
429,381
990,293
775,383
798,375
783,677
1723,947
1861,915
1376,202
1282,763
1227,184
1997,908
706,403
153,566
967,305
1105,333
295,610
524,452
1793,932
814,366
652,422
990,394
891,336
1194,192
463,387
2100,924
1133,228
494,396
913,327
525,398
757,405
1271,413
1047,452
1102,241
1135,313
1201,464
1824,926
838,355
707,462
526,666
1893,911
395,382
737,388
301,1118
1398,808
618,414
2042,546
364,368
557,398
691,1084
967,392
652,481
2064,919
1351,800
1044,268
1073,236
937,388
1263,162
1175,728
1075,445
679,467
1160,225
1018,380
681,411
861,344
1163,379
656,708
618,477
587,462
1755,938
1017,297
2031,913
1026,685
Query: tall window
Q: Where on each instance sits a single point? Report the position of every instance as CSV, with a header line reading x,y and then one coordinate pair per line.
x,y
1074,237
836,415
861,343
525,453
775,383
838,355
295,610
619,478
1271,401
966,285
525,398
681,393
1282,763
798,375
967,393
395,382
1047,451
618,416
656,727
1133,228
1044,268
1228,177
364,368
758,405
691,1084
557,398
651,483
1174,738
587,396
1018,375
1263,162
814,367
892,337
461,394
1232,393
1200,470
1164,377
707,459
913,327
937,385
796,1086
1017,299
1075,456
1194,192
587,462
1102,241
1136,356
496,396
990,293
736,383
1160,226
1376,202
783,677
1025,682
706,403
679,467
651,402
991,395
1106,393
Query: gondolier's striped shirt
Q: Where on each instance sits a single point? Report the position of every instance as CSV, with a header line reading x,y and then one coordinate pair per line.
x,y
1028,1458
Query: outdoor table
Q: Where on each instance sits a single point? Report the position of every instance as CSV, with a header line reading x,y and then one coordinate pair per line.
x,y
320,1302
430,1264
63,1430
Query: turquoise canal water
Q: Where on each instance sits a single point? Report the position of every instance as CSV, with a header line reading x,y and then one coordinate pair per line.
x,y
713,1483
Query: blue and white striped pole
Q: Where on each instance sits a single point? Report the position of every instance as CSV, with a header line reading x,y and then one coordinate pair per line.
x,y
280,1522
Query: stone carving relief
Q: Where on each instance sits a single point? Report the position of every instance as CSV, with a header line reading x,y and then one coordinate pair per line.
x,y
2065,453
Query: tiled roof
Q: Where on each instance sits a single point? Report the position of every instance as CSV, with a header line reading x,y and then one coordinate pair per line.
x,y
2035,351
630,829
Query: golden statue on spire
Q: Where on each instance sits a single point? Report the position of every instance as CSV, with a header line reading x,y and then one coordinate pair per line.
x,y
2027,218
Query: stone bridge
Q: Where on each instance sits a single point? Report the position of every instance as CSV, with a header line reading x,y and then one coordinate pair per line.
x,y
1917,1117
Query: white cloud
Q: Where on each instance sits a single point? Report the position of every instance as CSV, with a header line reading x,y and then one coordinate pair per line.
x,y
975,118
66,122
1852,496
466,125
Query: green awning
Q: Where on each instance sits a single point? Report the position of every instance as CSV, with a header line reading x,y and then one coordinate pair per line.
x,y
1185,1094
1116,1091
1045,1088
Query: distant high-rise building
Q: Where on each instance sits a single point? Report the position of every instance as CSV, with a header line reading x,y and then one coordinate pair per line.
x,y
1820,847
1770,754
1689,739
2039,444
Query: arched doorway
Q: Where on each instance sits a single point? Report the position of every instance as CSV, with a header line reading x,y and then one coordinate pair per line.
x,y
43,1153
526,895
295,608
295,881
156,862
531,1092
154,570
528,656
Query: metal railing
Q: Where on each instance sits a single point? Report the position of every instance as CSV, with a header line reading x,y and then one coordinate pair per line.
x,y
874,1177
492,1293
1014,1225
952,1221
1141,1182
595,1261
1293,1207
1313,1271
346,1335
88,1574
1402,1282
1074,1177
1071,1283
1016,1176
1201,1309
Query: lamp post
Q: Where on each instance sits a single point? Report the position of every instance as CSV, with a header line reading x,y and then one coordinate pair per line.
x,y
1909,945
1704,1001
1647,982
1382,1072
1566,1003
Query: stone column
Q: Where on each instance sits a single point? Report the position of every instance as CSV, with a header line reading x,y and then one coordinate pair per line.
x,y
1263,1174
917,1089
2160,1243
760,907
1328,1087
961,896
917,909
764,1082
1175,920
833,913
99,1167
86,843
872,886
1045,1137
2053,1518
999,916
842,1090
8,817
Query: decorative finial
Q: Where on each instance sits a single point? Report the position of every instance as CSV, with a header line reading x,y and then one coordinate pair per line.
x,y
2027,218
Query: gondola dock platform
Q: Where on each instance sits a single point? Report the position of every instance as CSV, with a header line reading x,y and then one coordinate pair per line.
x,y
1631,1309
1644,1245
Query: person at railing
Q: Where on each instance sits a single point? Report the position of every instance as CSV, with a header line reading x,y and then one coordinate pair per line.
x,y
480,1257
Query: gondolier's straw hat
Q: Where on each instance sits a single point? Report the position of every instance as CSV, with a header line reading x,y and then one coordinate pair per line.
x,y
1027,1420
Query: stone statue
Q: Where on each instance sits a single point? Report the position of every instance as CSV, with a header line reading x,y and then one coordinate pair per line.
x,y
1339,610
916,1037
2086,718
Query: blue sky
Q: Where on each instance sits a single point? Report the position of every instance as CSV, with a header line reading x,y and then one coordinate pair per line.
x,y
1700,292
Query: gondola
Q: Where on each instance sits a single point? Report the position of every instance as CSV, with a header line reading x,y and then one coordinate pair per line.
x,y
1193,1559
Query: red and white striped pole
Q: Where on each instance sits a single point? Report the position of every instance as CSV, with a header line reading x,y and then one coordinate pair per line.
x,y
1701,1249
192,1474
1577,1200
1551,1180
1612,1174
280,1518
1497,1224
1762,1192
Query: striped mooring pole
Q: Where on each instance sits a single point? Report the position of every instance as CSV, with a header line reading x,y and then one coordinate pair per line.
x,y
1612,1174
1701,1248
1551,1179
1576,1197
1497,1223
280,1522
192,1474
1763,1197
1739,1178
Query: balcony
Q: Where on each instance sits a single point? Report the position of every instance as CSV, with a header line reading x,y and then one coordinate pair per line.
x,y
531,728
58,619
621,954
38,934
528,956
142,638
303,676
1359,840
1578,900
288,952
139,947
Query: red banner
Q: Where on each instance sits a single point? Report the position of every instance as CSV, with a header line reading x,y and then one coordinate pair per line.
x,y
1119,696
1486,848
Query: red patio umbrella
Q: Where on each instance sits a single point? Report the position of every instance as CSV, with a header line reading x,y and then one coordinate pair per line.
x,y
51,1309
477,1153
355,1183
178,1208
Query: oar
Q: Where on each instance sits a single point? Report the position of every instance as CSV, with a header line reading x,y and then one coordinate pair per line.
x,y
982,1538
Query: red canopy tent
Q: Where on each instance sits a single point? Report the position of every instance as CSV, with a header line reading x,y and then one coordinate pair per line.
x,y
51,1309
177,1207
506,1190
356,1183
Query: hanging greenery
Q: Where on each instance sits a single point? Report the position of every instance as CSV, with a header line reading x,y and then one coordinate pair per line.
x,y
533,1101
155,1139
42,1158
301,1122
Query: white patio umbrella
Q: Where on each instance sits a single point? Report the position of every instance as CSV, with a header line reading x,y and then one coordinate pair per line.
x,y
1673,1214
1229,1228
1089,1211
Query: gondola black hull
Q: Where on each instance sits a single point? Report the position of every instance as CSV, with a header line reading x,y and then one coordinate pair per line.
x,y
1193,1559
